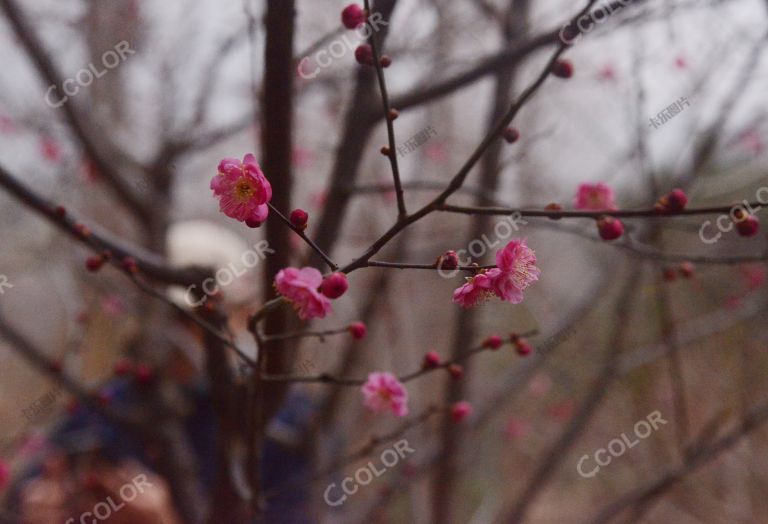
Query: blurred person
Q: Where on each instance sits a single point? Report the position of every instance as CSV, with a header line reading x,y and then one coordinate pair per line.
x,y
86,459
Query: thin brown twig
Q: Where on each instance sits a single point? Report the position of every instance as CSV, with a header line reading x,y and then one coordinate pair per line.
x,y
325,378
149,264
458,179
305,238
392,153
100,243
561,214
306,334
99,153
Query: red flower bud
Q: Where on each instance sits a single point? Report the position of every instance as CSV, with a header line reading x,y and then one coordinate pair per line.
x,y
94,263
364,54
610,228
460,411
431,360
299,219
562,69
129,264
674,202
358,330
523,348
82,230
334,285
748,226
511,135
352,16
448,260
456,371
385,61
553,206
493,342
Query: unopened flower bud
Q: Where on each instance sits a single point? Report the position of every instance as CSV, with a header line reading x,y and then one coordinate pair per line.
x,y
358,330
364,54
511,135
431,360
562,68
493,342
748,226
334,285
456,371
94,263
460,411
674,202
299,219
353,16
609,228
448,260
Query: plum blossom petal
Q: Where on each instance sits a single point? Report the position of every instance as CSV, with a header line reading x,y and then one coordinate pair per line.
x,y
517,263
516,270
242,189
382,391
477,289
595,197
299,286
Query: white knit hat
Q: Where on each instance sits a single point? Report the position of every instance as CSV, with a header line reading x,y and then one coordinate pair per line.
x,y
234,262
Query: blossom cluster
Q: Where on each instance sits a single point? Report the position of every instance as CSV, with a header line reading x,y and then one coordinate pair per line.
x,y
515,270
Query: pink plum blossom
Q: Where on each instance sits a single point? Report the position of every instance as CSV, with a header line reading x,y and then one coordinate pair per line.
x,y
243,190
300,286
517,263
516,270
597,197
382,391
477,289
